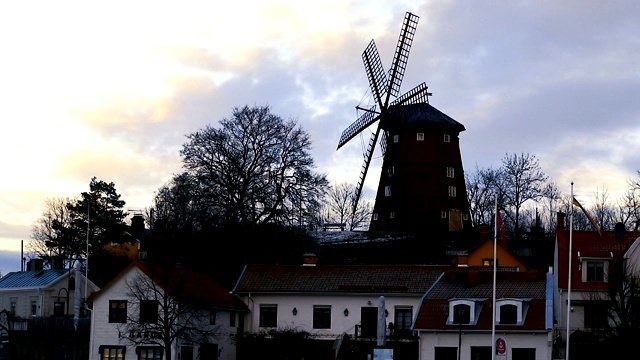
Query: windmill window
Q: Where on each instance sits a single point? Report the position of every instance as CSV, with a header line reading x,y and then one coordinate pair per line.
x,y
392,214
447,138
420,137
390,171
452,191
465,217
443,214
375,216
396,138
450,172
387,190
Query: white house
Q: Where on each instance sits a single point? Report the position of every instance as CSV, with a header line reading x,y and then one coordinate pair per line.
x,y
42,293
128,314
331,301
454,320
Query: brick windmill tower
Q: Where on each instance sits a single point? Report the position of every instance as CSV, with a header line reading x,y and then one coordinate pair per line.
x,y
422,187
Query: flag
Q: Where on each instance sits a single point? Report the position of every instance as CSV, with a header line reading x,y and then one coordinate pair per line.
x,y
593,222
500,225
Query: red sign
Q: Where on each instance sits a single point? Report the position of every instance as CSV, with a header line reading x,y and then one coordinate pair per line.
x,y
501,346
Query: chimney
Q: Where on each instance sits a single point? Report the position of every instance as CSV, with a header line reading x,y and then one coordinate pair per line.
x,y
560,224
137,222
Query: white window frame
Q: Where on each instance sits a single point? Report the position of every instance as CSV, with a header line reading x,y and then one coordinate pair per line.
x,y
420,136
452,191
375,216
447,138
396,138
390,171
443,214
450,171
392,215
387,190
522,306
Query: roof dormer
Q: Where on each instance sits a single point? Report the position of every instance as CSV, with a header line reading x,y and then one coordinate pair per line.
x,y
511,311
464,311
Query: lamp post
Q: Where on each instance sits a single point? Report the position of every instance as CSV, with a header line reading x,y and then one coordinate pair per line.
x,y
460,311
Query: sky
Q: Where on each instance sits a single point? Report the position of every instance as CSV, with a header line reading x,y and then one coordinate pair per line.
x,y
112,89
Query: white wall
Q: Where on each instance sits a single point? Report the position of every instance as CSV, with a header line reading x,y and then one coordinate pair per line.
x,y
340,324
430,340
105,333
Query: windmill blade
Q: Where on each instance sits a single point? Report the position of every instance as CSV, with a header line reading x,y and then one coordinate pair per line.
x,y
365,168
375,72
363,122
417,95
401,56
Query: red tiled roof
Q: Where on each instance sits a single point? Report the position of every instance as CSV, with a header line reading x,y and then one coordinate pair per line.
x,y
188,287
588,244
390,279
434,309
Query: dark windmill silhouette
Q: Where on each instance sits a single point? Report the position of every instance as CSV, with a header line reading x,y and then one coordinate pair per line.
x,y
422,185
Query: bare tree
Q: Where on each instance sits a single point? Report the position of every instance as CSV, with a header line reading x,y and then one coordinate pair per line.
x,y
520,180
161,319
629,205
481,192
552,198
256,168
49,235
603,211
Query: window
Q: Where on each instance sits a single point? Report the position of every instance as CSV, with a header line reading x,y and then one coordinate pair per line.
x,y
461,314
149,353
392,214
390,171
523,353
511,311
489,262
13,305
148,311
452,191
450,171
443,214
481,352
595,271
111,352
232,318
212,317
420,137
445,353
447,138
387,190
465,217
321,317
34,308
396,138
375,216
117,311
402,321
508,314
268,315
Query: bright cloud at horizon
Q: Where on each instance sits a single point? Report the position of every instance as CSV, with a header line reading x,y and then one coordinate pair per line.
x,y
111,90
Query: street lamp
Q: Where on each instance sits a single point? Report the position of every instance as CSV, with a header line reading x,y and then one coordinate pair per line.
x,y
460,311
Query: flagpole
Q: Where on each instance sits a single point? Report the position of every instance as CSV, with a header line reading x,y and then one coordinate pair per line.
x,y
493,322
569,280
86,269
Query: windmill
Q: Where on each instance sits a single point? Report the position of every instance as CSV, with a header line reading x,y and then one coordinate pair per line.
x,y
394,114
